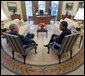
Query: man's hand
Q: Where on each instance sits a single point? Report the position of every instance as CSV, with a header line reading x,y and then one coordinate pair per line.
x,y
54,38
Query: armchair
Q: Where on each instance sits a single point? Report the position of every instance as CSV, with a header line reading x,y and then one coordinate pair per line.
x,y
16,45
65,46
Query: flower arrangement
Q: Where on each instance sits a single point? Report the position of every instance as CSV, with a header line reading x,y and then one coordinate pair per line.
x,y
42,25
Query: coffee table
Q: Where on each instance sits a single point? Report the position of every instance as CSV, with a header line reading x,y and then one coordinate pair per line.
x,y
42,29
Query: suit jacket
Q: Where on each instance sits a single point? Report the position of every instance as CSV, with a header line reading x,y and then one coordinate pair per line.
x,y
61,36
24,40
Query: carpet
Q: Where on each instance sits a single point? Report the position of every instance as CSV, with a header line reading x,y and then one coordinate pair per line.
x,y
42,63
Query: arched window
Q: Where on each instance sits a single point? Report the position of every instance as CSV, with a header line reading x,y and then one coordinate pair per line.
x,y
28,5
54,8
41,6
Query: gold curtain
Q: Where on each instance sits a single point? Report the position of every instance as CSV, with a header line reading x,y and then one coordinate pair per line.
x,y
35,5
47,6
23,10
60,10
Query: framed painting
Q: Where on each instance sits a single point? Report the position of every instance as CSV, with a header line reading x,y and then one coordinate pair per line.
x,y
69,6
81,5
12,6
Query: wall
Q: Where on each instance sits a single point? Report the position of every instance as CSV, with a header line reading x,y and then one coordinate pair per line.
x,y
7,12
73,11
19,8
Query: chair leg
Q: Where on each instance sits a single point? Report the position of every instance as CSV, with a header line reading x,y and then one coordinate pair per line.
x,y
35,50
71,54
24,56
48,50
59,59
2,47
13,54
80,41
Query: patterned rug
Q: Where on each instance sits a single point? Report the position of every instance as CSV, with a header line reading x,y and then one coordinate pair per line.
x,y
58,69
17,67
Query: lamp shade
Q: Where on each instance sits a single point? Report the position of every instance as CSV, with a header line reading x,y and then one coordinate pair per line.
x,y
3,16
80,14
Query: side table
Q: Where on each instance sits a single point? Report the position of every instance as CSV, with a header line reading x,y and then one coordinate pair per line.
x,y
42,29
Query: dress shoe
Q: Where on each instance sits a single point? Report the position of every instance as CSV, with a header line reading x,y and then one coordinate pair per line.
x,y
46,45
36,44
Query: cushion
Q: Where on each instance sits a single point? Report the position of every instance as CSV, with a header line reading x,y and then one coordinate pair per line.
x,y
22,29
20,23
71,23
15,21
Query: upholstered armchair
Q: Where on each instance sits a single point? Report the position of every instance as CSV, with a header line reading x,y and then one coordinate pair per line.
x,y
17,46
65,46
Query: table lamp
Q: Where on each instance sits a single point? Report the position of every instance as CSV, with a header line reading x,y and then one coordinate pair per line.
x,y
3,17
79,16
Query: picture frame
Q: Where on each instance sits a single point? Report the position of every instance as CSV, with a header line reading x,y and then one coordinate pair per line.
x,y
12,6
69,6
81,5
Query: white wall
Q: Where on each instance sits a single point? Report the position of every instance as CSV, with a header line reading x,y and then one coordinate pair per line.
x,y
74,10
19,9
9,13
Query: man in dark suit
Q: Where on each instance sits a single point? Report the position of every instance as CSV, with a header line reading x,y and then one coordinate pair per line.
x,y
59,38
25,40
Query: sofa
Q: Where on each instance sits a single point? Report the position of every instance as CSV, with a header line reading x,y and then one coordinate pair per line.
x,y
21,24
71,23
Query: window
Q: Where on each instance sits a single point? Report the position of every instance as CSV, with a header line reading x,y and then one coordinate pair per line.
x,y
54,9
41,6
28,5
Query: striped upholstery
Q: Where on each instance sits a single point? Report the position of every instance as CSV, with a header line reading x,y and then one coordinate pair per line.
x,y
9,42
16,44
66,44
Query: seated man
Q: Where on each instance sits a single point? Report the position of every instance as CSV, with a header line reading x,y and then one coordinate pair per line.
x,y
58,39
25,40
